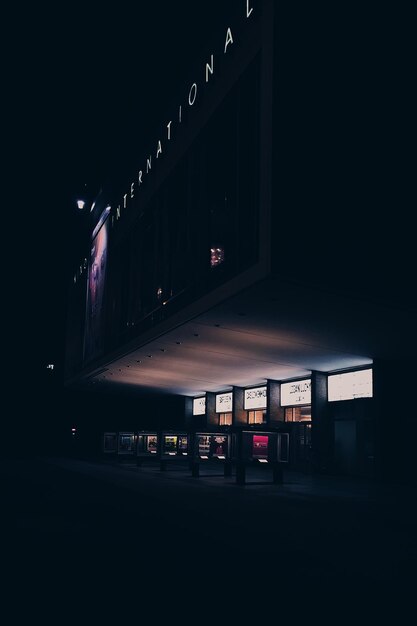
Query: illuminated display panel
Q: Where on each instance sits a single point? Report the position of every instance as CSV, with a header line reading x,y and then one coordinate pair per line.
x,y
183,444
255,398
170,444
199,406
97,270
350,385
152,444
219,446
224,402
260,446
126,443
297,392
204,445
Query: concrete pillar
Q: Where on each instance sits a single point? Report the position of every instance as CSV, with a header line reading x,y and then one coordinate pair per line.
x,y
274,412
212,418
395,421
322,435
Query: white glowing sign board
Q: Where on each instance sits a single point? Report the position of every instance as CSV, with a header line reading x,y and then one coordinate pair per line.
x,y
199,406
350,385
297,392
255,398
224,402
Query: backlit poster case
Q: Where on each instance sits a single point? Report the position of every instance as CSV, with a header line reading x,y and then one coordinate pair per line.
x,y
255,398
219,446
295,393
97,270
224,402
199,406
183,444
126,443
260,446
204,447
170,444
152,444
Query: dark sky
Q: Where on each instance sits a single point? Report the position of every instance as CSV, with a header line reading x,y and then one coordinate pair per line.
x,y
93,89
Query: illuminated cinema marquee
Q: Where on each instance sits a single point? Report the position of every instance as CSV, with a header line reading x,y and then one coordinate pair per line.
x,y
295,393
224,402
199,406
169,131
255,398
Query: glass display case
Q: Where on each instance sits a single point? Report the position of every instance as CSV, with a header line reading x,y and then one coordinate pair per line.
x,y
212,446
126,443
174,444
147,444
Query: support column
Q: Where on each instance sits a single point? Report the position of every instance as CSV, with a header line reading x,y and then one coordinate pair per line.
x,y
274,411
211,415
322,435
395,421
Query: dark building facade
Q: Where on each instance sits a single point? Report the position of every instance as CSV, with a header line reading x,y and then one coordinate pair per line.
x,y
248,262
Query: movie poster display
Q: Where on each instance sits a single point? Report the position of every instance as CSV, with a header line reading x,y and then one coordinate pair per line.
x,y
260,447
350,385
152,444
183,445
174,444
219,446
204,442
170,444
213,445
97,269
126,443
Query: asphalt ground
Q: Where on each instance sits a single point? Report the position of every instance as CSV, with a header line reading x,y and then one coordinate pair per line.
x,y
128,540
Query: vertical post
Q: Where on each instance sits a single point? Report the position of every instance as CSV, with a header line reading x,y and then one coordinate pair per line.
x,y
322,436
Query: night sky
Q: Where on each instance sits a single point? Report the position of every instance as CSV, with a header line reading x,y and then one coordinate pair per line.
x,y
98,89
91,92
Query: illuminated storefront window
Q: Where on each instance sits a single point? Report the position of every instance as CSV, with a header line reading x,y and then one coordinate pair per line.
x,y
225,419
298,414
256,417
